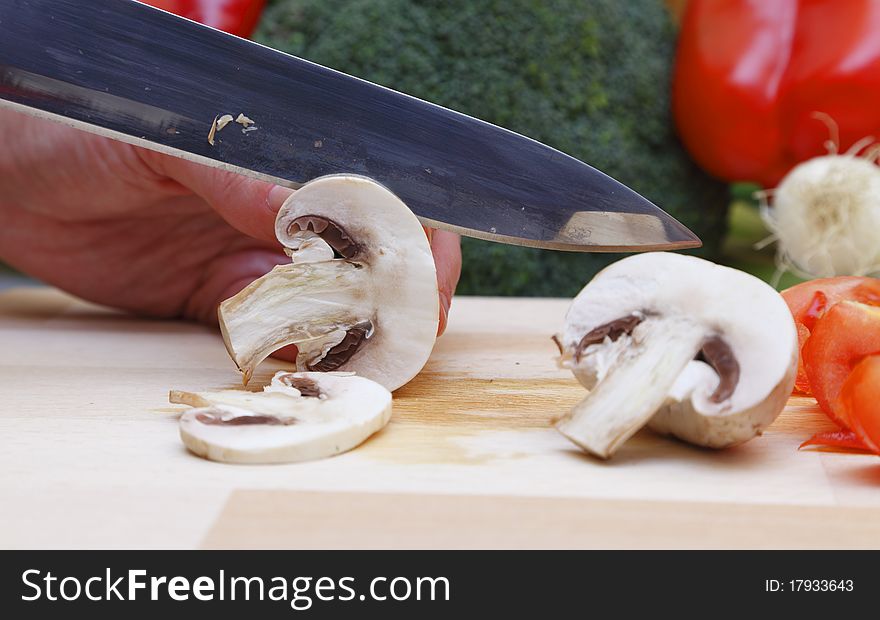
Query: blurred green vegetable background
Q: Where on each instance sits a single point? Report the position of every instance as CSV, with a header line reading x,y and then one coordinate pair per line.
x,y
589,77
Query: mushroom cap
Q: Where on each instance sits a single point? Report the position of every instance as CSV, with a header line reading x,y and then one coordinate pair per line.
x,y
748,314
402,277
349,410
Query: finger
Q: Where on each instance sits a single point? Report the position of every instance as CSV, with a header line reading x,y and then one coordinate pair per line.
x,y
247,204
446,247
225,276
288,353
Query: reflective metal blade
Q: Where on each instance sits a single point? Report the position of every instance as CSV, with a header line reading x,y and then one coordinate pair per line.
x,y
138,74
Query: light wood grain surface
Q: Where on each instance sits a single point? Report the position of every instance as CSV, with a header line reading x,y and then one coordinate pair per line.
x,y
91,458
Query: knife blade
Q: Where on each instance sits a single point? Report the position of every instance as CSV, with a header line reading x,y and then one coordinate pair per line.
x,y
138,74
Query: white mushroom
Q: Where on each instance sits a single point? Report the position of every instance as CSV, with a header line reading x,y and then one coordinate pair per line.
x,y
696,350
298,417
359,295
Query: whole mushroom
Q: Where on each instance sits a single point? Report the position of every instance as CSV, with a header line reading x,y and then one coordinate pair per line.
x,y
360,293
692,349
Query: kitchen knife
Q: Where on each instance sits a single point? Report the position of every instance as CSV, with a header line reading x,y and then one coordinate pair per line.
x,y
135,73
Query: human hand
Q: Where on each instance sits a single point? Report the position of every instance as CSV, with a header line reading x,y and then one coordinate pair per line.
x,y
141,231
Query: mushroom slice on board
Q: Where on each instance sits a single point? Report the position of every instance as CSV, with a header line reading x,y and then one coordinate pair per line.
x,y
298,417
693,349
359,295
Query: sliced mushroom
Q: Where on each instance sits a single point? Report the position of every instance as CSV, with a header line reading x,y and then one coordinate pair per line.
x,y
360,293
223,121
696,350
298,417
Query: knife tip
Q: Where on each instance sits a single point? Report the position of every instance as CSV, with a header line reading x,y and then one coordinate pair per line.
x,y
684,238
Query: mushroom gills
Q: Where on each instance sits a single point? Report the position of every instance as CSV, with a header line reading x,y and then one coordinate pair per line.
x,y
717,353
635,385
297,417
334,235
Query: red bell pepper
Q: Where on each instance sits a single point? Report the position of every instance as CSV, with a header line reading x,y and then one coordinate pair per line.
x,y
238,17
750,74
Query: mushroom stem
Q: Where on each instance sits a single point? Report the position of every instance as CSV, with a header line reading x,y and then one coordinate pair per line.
x,y
636,386
304,304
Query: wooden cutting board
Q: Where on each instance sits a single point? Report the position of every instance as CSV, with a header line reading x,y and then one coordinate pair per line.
x,y
91,457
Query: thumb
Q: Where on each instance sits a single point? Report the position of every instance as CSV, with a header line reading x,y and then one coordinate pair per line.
x,y
446,247
246,204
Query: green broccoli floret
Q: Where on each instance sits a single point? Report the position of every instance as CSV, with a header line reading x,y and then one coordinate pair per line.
x,y
588,77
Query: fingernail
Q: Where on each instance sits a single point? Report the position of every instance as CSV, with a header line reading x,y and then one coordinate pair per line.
x,y
276,197
444,312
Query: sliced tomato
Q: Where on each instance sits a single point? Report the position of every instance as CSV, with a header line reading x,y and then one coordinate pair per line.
x,y
801,382
860,400
809,301
806,307
847,333
837,439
